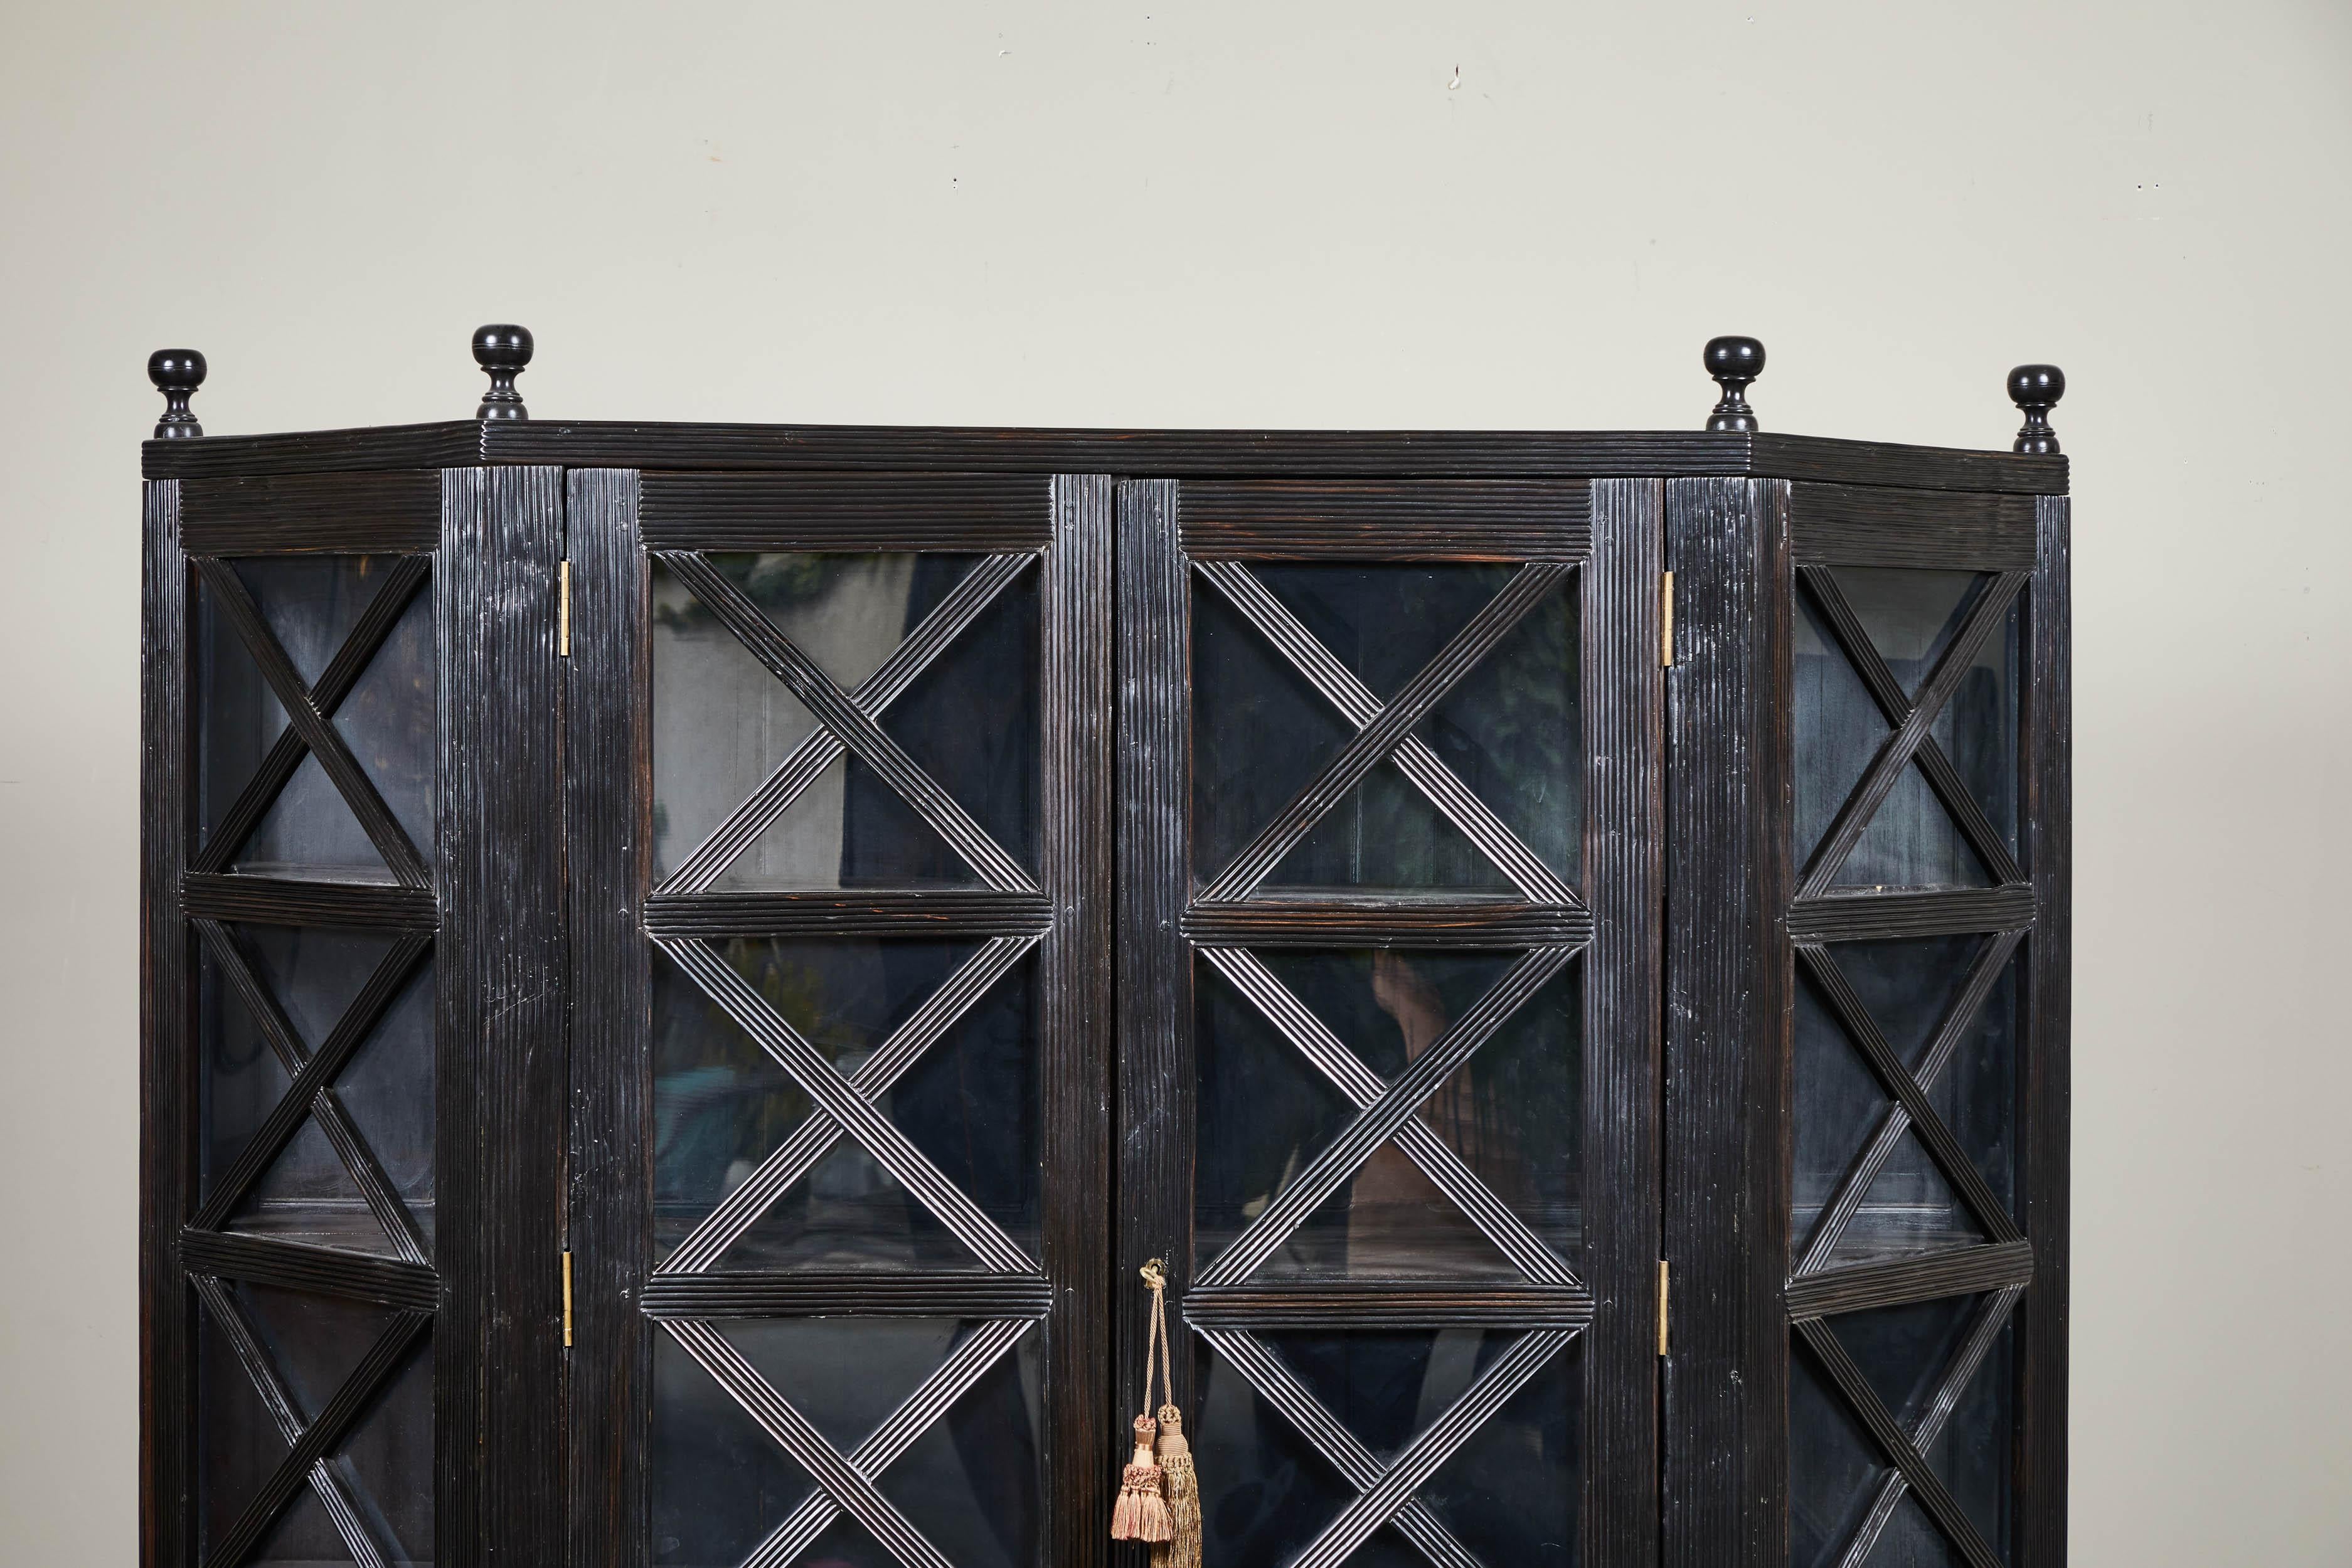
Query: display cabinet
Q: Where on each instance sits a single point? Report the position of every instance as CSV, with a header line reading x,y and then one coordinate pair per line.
x,y
685,968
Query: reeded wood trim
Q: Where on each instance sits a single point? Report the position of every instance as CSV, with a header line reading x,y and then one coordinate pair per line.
x,y
1727,999
2048,846
295,1266
608,851
1850,525
957,913
1624,747
1386,1303
169,1100
1400,453
968,1295
1946,912
1424,520
1958,1271
1385,923
283,901
1156,1086
1074,976
963,512
499,1016
397,512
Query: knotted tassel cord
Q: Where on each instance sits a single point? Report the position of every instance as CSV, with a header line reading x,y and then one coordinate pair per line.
x,y
1180,1486
1141,1511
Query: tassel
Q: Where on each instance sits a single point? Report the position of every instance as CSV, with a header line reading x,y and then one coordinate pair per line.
x,y
1182,1549
1142,1513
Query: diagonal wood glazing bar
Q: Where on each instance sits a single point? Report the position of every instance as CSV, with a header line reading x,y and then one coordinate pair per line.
x,y
857,731
304,717
798,1437
1896,753
1961,1016
857,1115
806,762
1982,1331
334,1478
817,1134
1419,1142
966,1365
1887,692
1422,1458
1356,703
342,673
1378,1123
1386,730
1274,1382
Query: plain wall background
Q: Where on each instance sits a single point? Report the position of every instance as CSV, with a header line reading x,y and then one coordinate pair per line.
x,y
1360,213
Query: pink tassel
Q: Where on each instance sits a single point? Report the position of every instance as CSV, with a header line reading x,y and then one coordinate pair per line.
x,y
1141,1512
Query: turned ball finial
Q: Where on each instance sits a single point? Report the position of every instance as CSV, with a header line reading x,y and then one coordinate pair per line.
x,y
1734,362
2036,388
502,351
177,373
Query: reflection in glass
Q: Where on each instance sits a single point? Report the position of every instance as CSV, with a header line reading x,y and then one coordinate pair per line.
x,y
1510,730
387,1088
723,723
311,603
1511,1113
313,1342
722,1105
1908,988
1834,1468
1911,616
970,1483
1974,1453
1510,1494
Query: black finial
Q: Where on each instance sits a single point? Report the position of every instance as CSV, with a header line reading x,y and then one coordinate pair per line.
x,y
503,352
177,373
2036,388
1734,362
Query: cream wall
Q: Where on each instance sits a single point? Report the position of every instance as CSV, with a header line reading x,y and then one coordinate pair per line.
x,y
1367,214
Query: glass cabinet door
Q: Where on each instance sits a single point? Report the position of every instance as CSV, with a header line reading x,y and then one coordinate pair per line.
x,y
1387,895
841,1063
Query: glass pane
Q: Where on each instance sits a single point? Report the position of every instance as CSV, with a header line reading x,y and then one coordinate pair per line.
x,y
1385,837
1911,1541
1510,1494
390,1457
1834,1469
1903,1351
1265,1489
847,612
307,1193
1974,1453
970,1102
1910,614
1511,1113
969,721
1908,988
1912,839
314,1342
722,722
1508,730
969,1482
1513,731
390,718
311,602
719,1484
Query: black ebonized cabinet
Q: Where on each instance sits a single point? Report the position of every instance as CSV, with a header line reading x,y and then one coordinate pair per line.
x,y
687,966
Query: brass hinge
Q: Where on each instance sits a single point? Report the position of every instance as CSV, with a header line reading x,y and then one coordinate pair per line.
x,y
1666,619
567,1301
1662,1306
563,618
